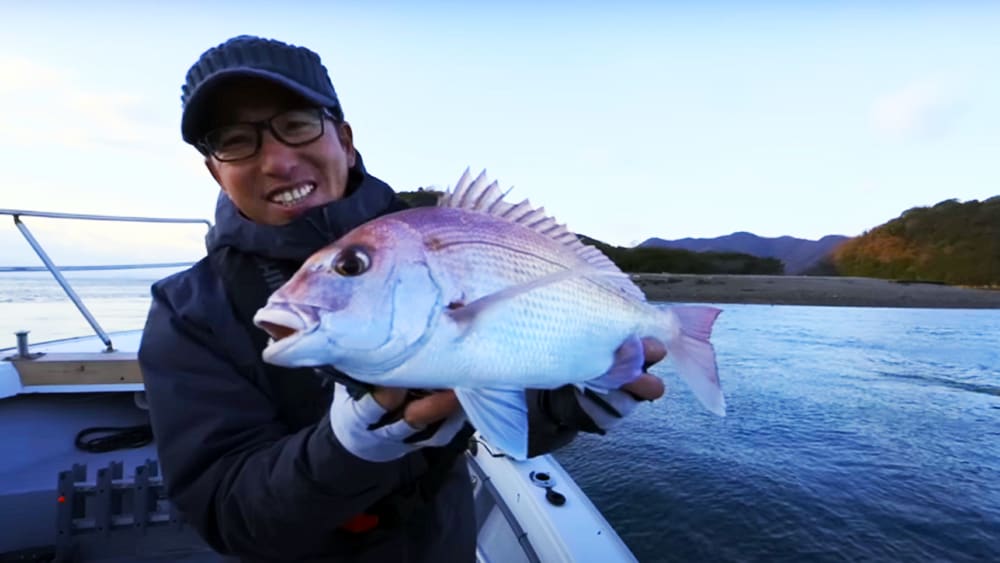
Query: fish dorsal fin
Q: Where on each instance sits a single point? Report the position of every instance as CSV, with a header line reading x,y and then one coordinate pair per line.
x,y
486,197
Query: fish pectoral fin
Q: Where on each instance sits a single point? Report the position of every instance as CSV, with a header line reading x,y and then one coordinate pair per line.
x,y
469,312
500,415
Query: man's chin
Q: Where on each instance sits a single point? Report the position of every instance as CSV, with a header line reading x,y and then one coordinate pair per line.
x,y
279,214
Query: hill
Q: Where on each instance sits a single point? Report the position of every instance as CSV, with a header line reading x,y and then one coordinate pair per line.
x,y
798,255
950,242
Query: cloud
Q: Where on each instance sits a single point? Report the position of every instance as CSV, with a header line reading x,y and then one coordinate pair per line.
x,y
921,109
55,107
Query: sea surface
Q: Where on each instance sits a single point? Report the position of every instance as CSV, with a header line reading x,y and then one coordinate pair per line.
x,y
853,434
34,301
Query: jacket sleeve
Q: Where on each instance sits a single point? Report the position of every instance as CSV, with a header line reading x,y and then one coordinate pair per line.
x,y
249,486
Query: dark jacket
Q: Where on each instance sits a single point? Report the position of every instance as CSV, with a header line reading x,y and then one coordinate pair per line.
x,y
255,482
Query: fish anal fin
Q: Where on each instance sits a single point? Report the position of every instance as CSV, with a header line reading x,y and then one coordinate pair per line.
x,y
500,415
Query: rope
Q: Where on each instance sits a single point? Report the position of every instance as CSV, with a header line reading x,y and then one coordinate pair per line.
x,y
111,438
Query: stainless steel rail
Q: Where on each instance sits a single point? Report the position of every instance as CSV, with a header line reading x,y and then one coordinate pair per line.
x,y
7,269
57,272
86,217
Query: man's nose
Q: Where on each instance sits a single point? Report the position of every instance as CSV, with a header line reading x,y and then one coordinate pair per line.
x,y
276,158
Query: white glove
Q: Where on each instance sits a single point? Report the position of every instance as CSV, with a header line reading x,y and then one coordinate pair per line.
x,y
353,425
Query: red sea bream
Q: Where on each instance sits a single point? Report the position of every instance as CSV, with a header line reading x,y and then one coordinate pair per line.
x,y
484,297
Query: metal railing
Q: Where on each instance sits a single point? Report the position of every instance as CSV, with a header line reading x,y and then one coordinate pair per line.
x,y
57,271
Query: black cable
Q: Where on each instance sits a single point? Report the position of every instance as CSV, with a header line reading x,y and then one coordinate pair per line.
x,y
111,438
488,449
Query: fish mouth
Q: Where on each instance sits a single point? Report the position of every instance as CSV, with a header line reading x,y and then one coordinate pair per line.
x,y
286,325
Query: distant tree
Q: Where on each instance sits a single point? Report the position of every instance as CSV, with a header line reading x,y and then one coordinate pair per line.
x,y
421,197
678,261
823,267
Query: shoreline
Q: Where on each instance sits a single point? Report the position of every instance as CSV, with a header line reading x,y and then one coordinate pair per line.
x,y
811,290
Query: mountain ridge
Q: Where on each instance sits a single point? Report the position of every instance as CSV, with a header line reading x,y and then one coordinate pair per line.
x,y
798,255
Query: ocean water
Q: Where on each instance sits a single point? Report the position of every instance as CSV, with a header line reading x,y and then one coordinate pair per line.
x,y
853,434
36,303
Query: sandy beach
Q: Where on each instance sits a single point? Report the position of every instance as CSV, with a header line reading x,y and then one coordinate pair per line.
x,y
809,290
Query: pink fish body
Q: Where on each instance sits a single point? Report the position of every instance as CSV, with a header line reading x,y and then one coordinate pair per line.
x,y
483,297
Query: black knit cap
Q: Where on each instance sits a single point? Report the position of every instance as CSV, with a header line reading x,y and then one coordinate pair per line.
x,y
296,68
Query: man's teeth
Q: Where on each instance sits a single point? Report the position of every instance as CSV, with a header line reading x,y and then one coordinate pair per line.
x,y
294,195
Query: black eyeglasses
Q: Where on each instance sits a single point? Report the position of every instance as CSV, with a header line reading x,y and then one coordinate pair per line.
x,y
238,141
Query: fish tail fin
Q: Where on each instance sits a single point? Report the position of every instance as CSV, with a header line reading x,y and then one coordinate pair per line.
x,y
694,355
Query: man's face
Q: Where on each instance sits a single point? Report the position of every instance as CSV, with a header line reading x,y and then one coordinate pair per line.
x,y
280,182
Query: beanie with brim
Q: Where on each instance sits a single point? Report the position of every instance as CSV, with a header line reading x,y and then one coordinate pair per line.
x,y
295,68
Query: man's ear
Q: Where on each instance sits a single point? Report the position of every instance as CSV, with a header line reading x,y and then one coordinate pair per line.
x,y
346,136
214,171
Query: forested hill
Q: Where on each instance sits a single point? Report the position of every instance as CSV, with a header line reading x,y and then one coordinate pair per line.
x,y
655,260
951,242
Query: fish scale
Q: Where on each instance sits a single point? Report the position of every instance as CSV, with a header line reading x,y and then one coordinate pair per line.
x,y
576,318
567,326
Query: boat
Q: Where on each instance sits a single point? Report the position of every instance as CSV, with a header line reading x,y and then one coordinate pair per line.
x,y
79,479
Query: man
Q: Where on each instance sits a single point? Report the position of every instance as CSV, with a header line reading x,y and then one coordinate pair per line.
x,y
278,464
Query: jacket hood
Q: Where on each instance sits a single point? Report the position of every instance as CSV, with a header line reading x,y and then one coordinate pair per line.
x,y
367,197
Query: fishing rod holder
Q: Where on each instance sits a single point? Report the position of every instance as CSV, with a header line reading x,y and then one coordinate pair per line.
x,y
111,504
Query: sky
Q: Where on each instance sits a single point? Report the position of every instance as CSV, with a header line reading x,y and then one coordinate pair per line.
x,y
625,120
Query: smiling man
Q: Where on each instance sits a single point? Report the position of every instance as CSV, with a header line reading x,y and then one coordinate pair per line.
x,y
306,167
278,464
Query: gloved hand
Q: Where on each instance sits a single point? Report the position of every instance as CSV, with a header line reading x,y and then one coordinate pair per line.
x,y
607,410
387,424
556,415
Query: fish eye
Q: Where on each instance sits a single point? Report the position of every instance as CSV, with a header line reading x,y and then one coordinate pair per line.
x,y
352,262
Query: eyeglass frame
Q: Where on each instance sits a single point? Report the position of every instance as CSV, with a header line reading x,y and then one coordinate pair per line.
x,y
258,126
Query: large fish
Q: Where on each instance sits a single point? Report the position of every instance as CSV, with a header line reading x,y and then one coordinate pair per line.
x,y
483,297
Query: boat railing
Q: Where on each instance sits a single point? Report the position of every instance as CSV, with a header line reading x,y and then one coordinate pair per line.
x,y
56,271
